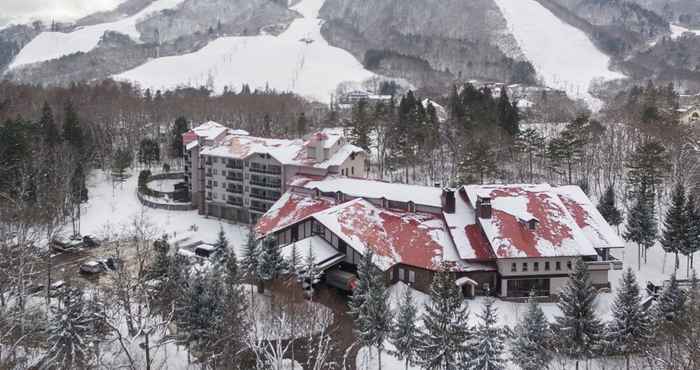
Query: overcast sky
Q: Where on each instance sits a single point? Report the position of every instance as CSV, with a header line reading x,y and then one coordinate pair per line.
x,y
20,11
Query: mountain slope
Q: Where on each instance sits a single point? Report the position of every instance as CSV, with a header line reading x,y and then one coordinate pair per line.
x,y
299,60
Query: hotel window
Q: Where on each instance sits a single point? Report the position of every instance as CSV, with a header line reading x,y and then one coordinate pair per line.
x,y
568,265
352,169
391,274
513,267
546,266
524,266
401,274
216,172
536,266
558,266
411,276
216,183
216,159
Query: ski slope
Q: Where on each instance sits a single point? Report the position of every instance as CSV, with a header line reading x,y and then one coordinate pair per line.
x,y
26,11
298,60
53,45
563,55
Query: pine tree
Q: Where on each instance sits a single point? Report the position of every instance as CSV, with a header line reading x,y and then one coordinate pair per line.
x,y
446,342
310,274
578,331
630,330
250,257
176,144
641,224
234,318
405,335
160,265
71,333
294,261
301,124
359,293
530,349
647,166
221,241
72,131
47,125
673,237
608,209
489,340
361,126
270,262
373,326
692,238
669,307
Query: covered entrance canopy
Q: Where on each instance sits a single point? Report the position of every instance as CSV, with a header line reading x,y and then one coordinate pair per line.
x,y
325,255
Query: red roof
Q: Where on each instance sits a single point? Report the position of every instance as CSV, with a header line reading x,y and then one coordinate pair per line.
x,y
188,137
290,209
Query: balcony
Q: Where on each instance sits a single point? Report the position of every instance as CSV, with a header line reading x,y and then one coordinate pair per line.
x,y
264,196
234,190
208,186
270,170
209,173
266,184
234,166
235,202
234,178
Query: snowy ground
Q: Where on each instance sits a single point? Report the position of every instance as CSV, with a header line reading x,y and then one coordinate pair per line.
x,y
116,205
26,11
52,45
298,60
164,185
563,55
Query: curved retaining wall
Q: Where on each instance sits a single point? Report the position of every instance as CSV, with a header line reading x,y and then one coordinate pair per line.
x,y
162,194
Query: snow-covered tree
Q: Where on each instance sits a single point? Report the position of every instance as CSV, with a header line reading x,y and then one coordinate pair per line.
x,y
405,334
530,349
294,261
578,331
675,232
71,333
692,238
204,322
250,256
641,223
160,265
490,341
310,274
446,342
270,263
608,208
630,331
221,241
369,307
670,304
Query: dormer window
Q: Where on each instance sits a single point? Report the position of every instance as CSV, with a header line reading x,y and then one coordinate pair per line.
x,y
411,207
531,223
317,193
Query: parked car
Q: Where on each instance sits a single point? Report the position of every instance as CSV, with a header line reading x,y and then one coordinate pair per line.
x,y
343,280
99,265
73,243
206,250
91,241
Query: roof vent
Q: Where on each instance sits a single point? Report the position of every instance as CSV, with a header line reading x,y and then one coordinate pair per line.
x,y
448,200
531,223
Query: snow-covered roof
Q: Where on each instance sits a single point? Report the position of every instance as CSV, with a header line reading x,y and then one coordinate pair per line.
x,y
192,144
290,209
588,218
324,254
394,237
556,234
209,130
470,242
355,187
284,151
206,247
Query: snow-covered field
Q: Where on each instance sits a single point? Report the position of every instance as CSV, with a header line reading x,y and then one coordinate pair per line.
x,y
677,31
298,60
26,11
116,205
52,45
562,54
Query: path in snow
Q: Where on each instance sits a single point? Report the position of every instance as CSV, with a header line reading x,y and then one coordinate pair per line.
x,y
562,54
52,45
298,60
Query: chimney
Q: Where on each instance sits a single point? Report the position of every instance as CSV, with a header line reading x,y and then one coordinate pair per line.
x,y
448,200
483,207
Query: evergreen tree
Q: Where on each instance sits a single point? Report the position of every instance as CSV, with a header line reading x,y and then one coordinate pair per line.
x,y
673,237
122,160
301,124
250,257
160,265
176,144
630,330
205,319
608,208
310,274
647,167
566,151
373,325
670,305
490,340
641,223
530,143
692,238
234,319
530,349
294,261
446,342
578,331
72,131
478,161
71,333
149,151
270,262
221,241
508,116
405,336
361,126
47,125
359,293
